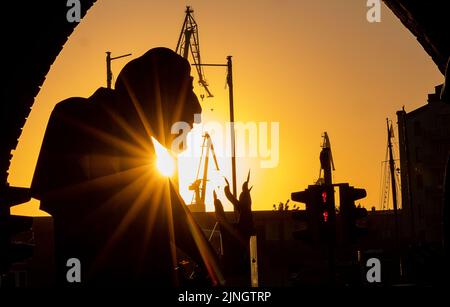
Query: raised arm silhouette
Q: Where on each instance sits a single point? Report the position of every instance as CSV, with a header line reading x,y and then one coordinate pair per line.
x,y
236,235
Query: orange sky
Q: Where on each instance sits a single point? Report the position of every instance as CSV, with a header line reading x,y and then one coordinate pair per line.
x,y
312,66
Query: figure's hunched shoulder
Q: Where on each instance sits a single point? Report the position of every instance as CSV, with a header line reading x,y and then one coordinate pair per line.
x,y
70,104
80,104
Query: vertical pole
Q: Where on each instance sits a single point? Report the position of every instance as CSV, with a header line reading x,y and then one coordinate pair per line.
x,y
254,261
202,206
108,70
232,132
394,193
187,41
325,163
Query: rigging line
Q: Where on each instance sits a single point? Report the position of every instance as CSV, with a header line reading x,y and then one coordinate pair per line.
x,y
386,187
388,181
383,197
381,187
384,179
398,185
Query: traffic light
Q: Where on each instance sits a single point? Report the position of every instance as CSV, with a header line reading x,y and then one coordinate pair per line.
x,y
12,251
350,214
320,213
326,204
310,233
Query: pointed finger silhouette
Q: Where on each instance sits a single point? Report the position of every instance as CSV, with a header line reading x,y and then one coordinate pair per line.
x,y
220,213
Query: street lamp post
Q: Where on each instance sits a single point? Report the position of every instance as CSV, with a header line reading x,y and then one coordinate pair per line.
x,y
229,66
108,67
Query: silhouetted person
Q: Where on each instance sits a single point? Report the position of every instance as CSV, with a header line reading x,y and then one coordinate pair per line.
x,y
96,176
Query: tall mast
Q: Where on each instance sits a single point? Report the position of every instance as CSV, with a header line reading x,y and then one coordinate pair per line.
x,y
394,189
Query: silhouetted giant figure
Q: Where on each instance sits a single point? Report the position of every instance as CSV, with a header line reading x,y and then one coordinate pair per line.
x,y
96,176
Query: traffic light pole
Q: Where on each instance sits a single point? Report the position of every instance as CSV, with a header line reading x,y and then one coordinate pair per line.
x,y
325,162
321,210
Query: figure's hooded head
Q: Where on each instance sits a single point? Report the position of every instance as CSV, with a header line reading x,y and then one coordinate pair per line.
x,y
155,91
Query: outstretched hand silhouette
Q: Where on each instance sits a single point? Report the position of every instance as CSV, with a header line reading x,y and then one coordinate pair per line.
x,y
236,235
243,208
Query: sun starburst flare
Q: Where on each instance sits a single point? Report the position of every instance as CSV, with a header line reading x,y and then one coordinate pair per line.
x,y
165,162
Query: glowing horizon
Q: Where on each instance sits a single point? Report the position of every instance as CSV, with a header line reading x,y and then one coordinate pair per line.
x,y
311,66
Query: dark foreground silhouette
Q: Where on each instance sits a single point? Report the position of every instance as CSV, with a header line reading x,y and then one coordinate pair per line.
x,y
96,176
236,235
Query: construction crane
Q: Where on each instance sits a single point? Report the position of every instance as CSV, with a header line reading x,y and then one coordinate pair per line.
x,y
326,161
188,40
199,185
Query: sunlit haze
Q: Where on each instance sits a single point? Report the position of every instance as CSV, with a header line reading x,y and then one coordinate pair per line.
x,y
306,66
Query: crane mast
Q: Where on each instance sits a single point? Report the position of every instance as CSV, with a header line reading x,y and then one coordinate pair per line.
x,y
199,185
189,41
